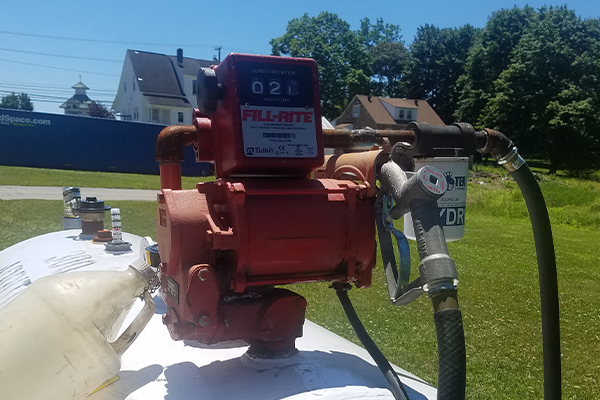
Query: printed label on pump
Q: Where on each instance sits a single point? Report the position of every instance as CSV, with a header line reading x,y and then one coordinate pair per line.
x,y
277,110
279,132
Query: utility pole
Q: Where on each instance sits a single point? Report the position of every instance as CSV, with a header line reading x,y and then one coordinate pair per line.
x,y
218,48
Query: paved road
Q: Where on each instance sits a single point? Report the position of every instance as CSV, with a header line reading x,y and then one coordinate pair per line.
x,y
55,193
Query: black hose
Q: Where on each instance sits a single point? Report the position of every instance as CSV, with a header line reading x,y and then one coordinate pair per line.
x,y
544,246
452,362
396,385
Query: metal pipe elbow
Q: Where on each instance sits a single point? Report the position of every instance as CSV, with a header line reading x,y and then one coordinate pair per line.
x,y
171,142
502,149
496,143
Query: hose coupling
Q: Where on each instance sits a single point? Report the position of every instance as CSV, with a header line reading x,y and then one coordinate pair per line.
x,y
511,161
432,289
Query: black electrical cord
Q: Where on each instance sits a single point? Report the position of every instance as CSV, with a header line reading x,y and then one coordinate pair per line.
x,y
544,245
396,385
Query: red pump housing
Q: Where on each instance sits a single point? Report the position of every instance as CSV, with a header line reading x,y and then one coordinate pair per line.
x,y
267,120
226,245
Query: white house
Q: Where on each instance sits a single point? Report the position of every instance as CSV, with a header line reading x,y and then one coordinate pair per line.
x,y
158,88
79,103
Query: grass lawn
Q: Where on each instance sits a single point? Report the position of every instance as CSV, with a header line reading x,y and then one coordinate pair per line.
x,y
56,177
498,290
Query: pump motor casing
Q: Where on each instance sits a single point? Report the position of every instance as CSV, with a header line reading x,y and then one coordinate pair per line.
x,y
223,244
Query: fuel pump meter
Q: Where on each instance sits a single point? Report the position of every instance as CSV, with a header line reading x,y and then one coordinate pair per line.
x,y
265,114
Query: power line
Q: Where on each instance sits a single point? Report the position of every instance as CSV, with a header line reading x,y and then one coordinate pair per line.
x,y
74,39
61,56
65,89
103,41
64,69
50,88
34,98
49,96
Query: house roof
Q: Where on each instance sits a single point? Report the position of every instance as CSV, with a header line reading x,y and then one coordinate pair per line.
x,y
77,98
374,106
79,85
167,101
155,73
191,65
82,98
157,76
404,103
375,109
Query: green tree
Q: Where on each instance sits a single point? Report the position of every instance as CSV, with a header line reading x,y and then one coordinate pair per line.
x,y
488,57
389,62
386,55
100,111
17,101
547,98
370,35
438,60
343,67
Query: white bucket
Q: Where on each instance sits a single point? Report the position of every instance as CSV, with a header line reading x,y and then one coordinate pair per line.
x,y
453,203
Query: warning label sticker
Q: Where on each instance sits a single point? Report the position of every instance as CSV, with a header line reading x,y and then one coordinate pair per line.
x,y
279,132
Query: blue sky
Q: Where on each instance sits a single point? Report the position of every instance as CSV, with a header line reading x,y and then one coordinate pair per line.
x,y
46,45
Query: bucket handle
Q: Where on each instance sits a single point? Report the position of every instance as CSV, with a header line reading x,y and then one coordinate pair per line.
x,y
133,330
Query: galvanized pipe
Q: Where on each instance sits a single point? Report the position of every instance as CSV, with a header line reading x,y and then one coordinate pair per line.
x,y
345,139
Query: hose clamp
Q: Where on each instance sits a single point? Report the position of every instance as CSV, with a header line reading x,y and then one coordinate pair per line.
x,y
512,161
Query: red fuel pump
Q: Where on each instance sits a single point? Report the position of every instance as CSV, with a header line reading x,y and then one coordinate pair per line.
x,y
264,221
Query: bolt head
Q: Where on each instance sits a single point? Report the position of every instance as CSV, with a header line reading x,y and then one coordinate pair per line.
x,y
202,274
204,320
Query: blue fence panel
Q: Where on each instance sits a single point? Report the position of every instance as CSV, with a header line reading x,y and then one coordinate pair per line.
x,y
41,140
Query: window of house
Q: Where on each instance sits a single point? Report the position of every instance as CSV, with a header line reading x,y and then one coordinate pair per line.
x,y
124,86
155,115
136,113
400,114
194,84
165,116
409,114
179,117
356,111
133,79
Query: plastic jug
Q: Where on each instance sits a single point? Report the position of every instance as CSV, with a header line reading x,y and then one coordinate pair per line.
x,y
54,336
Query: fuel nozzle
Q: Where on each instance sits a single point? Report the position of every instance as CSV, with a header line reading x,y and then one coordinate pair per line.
x,y
418,193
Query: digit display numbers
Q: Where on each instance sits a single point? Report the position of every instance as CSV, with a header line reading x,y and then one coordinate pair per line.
x,y
258,87
275,87
275,84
